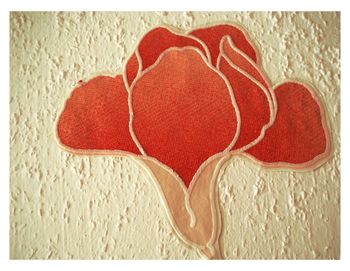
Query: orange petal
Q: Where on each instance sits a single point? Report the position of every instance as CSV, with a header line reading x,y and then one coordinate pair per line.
x,y
252,97
153,44
241,60
299,136
96,117
183,112
132,68
212,36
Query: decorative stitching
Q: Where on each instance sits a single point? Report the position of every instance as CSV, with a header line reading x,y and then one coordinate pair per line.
x,y
150,68
317,160
270,97
211,247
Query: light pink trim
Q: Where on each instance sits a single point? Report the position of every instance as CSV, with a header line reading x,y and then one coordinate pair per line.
x,y
140,73
317,160
240,27
258,67
270,98
160,58
225,155
213,195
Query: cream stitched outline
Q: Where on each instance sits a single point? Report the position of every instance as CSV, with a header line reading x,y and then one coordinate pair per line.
x,y
259,84
317,160
139,69
225,155
238,26
188,192
258,67
163,197
140,73
139,58
215,207
138,159
131,111
143,73
213,198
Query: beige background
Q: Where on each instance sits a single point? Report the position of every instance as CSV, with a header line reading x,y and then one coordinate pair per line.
x,y
73,207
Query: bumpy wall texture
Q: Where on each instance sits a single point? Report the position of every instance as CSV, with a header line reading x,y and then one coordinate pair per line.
x,y
66,206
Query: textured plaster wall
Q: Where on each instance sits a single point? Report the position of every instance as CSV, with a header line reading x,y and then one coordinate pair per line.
x,y
72,207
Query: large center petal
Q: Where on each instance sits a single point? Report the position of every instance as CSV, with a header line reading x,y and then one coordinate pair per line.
x,y
183,112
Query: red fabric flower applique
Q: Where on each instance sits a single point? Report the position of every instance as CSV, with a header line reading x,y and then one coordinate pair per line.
x,y
185,104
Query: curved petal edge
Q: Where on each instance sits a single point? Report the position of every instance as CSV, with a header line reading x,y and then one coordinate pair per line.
x,y
212,36
96,117
251,92
153,44
299,137
185,115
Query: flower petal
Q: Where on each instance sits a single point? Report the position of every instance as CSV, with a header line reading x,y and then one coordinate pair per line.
x,y
132,69
183,111
212,36
153,44
240,59
299,137
252,96
96,116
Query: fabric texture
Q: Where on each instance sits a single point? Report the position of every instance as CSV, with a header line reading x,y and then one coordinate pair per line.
x,y
213,35
96,116
155,43
252,102
297,135
194,96
187,108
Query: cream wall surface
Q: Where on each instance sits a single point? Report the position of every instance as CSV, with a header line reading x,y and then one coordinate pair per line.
x,y
66,206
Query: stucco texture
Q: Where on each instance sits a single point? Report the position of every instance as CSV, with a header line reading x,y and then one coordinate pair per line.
x,y
66,206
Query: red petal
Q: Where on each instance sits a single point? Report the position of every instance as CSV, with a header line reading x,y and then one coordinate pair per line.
x,y
212,36
183,112
299,134
153,44
241,60
132,68
252,97
96,116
